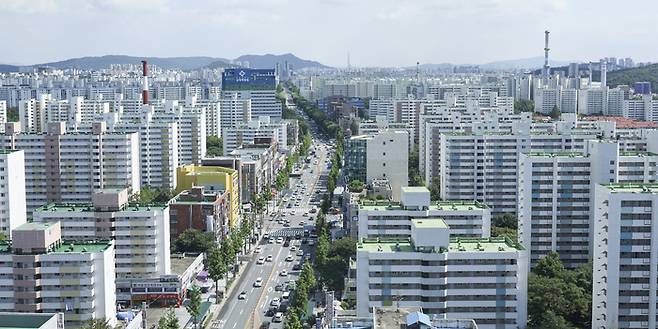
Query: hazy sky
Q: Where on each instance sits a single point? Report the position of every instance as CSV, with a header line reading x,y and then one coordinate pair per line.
x,y
374,32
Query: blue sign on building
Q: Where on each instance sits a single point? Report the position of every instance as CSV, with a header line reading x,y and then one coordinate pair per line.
x,y
249,79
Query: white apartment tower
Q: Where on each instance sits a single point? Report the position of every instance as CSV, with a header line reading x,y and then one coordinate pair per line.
x,y
555,192
141,232
625,280
435,272
68,167
12,190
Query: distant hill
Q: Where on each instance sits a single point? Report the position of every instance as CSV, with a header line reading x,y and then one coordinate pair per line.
x,y
103,62
269,61
631,76
4,68
524,63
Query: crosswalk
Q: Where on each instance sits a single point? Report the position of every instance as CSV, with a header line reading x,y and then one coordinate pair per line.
x,y
298,210
287,232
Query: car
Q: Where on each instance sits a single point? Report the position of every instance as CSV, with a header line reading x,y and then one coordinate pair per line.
x,y
314,209
270,240
278,317
275,302
289,258
305,214
298,236
258,282
293,248
279,287
302,223
242,295
293,212
260,261
258,250
271,311
300,252
266,236
269,258
279,240
297,204
297,267
265,325
286,224
287,243
289,205
283,273
311,242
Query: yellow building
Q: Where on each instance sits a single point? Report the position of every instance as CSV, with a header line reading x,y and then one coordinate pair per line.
x,y
212,178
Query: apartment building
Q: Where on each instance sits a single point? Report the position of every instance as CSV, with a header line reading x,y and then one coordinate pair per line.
x,y
61,166
42,273
191,124
385,219
12,190
432,271
384,155
625,278
141,232
248,134
234,112
555,191
158,147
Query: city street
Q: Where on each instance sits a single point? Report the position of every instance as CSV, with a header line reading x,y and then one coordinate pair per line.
x,y
288,219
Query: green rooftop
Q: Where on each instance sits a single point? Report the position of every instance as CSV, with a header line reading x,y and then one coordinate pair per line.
x,y
436,205
556,154
416,189
7,151
12,320
89,207
429,222
637,153
34,226
651,188
497,244
66,247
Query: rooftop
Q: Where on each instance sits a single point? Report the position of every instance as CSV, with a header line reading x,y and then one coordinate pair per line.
x,y
651,188
68,247
416,189
637,153
89,207
34,226
556,154
7,151
498,244
11,320
179,265
429,223
437,205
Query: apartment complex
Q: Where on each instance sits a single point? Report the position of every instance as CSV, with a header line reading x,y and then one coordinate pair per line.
x,y
384,219
625,278
141,232
432,271
41,273
249,133
555,191
61,166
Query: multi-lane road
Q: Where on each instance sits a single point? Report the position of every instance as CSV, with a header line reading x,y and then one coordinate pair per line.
x,y
288,217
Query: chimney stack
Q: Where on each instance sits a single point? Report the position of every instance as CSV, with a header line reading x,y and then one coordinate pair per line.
x,y
547,67
145,83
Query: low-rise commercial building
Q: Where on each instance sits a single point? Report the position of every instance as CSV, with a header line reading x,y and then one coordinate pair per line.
x,y
201,210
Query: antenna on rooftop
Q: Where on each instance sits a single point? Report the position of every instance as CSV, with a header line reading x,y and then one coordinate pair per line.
x,y
417,72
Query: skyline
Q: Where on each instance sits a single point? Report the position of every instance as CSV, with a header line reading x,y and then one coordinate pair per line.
x,y
310,29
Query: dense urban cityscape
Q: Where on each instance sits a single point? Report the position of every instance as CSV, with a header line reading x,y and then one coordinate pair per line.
x,y
270,191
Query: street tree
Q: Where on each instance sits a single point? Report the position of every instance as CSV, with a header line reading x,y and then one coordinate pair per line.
x,y
194,305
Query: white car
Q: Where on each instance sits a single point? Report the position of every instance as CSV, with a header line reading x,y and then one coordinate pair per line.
x,y
278,317
258,250
242,295
269,258
275,302
289,259
305,214
293,248
260,261
259,282
279,240
283,273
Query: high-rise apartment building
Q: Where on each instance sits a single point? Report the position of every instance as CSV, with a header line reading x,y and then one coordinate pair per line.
x,y
625,253
12,190
42,273
140,232
259,85
435,272
61,166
